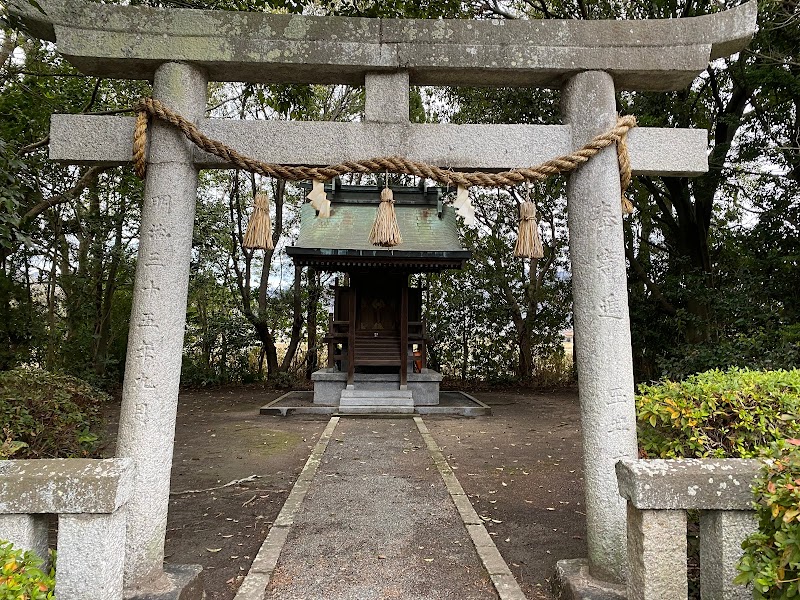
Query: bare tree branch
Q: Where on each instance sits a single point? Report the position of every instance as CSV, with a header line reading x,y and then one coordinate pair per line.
x,y
87,179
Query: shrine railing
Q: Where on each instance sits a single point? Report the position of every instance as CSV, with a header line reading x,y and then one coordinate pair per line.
x,y
89,497
658,494
337,339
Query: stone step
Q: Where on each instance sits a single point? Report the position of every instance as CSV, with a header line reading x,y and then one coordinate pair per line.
x,y
376,393
376,410
380,401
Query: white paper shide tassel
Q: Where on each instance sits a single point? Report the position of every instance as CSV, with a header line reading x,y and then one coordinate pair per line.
x,y
319,200
463,206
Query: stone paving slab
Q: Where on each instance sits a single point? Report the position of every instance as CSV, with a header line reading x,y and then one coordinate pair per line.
x,y
378,522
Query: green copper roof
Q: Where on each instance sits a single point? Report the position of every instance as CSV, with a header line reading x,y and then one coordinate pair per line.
x,y
349,225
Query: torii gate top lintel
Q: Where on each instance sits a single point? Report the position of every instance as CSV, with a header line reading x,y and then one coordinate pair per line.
x,y
130,42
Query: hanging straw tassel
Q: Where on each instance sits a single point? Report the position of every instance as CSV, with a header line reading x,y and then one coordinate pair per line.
x,y
529,244
259,229
385,231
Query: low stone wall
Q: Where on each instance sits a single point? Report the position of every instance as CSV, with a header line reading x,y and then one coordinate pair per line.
x,y
89,497
659,492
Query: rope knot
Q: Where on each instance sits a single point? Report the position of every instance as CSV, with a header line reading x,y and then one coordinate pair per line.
x,y
387,195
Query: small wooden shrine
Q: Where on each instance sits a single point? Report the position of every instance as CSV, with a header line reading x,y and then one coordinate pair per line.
x,y
376,333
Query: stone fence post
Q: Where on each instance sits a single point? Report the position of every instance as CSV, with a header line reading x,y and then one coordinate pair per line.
x,y
89,498
659,492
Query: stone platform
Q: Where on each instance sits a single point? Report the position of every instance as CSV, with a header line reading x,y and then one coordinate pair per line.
x,y
450,403
329,384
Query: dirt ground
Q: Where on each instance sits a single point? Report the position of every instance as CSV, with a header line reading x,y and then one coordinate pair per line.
x,y
521,468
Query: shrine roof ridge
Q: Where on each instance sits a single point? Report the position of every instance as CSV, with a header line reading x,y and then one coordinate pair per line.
x,y
130,42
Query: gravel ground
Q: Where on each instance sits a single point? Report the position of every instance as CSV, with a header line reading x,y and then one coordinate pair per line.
x,y
378,523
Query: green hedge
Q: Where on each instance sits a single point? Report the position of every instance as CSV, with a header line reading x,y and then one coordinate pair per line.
x,y
771,560
718,414
739,414
48,415
21,577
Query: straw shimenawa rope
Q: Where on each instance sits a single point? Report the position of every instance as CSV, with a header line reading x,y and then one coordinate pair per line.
x,y
529,242
385,231
394,164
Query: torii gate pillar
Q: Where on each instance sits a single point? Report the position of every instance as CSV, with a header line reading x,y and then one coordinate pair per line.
x,y
158,319
601,321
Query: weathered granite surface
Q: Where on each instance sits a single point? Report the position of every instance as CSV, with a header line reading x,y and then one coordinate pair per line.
x,y
131,41
656,555
25,532
76,139
158,316
572,581
707,484
386,97
328,385
721,536
72,485
602,327
91,556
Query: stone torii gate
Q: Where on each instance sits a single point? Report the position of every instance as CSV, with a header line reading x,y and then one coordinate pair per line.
x,y
181,50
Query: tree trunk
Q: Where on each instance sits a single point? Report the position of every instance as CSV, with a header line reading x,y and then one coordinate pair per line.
x,y
297,320
465,346
311,321
103,326
525,362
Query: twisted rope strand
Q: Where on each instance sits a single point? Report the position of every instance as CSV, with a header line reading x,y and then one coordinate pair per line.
x,y
394,164
140,144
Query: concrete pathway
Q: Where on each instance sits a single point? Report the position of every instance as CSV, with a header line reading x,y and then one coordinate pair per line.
x,y
377,514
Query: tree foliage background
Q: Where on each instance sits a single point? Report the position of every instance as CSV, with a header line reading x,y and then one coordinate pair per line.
x,y
712,261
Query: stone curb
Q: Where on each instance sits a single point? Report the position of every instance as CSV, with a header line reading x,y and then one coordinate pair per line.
x,y
255,583
501,576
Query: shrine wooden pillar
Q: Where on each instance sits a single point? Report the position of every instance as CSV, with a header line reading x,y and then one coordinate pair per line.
x,y
404,335
351,336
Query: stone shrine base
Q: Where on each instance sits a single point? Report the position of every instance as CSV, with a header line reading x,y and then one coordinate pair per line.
x,y
574,582
450,403
329,384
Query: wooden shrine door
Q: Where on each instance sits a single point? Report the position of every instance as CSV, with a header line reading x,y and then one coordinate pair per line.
x,y
379,320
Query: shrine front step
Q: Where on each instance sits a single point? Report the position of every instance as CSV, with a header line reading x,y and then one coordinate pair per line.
x,y
365,402
404,397
375,410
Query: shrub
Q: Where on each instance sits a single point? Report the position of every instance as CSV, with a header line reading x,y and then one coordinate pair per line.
x,y
771,560
48,415
21,576
718,414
